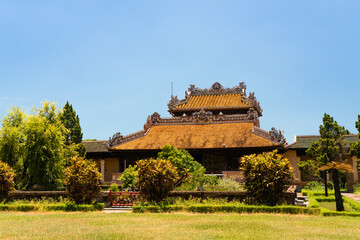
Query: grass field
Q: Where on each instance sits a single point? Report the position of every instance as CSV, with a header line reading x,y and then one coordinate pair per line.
x,y
100,225
332,206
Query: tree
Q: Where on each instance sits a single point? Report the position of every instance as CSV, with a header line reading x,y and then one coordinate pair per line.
x,y
74,136
12,138
82,180
267,176
72,123
157,177
44,148
355,146
329,152
186,166
7,182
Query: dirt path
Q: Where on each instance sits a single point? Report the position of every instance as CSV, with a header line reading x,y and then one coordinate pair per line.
x,y
352,196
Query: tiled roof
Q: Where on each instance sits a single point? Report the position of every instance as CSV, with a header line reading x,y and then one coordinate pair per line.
x,y
95,146
304,142
218,101
199,136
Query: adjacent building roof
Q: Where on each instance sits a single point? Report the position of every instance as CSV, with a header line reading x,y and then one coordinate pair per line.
x,y
95,146
304,142
226,135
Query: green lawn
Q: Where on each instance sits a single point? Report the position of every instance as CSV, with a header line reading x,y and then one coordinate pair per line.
x,y
100,225
332,206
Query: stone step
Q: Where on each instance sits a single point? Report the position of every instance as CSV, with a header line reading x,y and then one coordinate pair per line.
x,y
118,209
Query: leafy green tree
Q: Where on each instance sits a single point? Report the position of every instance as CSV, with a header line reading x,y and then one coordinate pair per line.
x,y
82,180
157,177
267,177
74,136
44,148
329,152
12,139
7,182
130,177
186,166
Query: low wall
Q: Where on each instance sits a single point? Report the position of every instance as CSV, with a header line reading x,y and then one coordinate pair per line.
x,y
239,196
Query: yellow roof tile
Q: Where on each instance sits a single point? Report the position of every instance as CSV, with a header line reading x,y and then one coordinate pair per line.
x,y
214,101
226,135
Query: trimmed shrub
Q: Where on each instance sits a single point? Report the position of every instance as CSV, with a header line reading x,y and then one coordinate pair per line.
x,y
327,213
313,203
315,192
201,208
130,177
82,180
26,207
353,204
7,182
267,177
157,177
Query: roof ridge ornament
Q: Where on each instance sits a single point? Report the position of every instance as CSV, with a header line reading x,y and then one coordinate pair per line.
x,y
202,115
216,88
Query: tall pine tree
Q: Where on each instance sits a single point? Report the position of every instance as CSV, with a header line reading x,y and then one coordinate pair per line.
x,y
329,152
74,136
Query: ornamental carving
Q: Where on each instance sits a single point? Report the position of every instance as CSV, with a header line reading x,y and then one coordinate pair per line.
x,y
173,101
217,88
202,115
277,135
116,139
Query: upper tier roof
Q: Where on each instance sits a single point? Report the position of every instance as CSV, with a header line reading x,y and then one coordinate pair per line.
x,y
213,102
217,98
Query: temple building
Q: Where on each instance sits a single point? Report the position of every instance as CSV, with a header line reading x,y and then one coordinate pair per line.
x,y
216,125
295,152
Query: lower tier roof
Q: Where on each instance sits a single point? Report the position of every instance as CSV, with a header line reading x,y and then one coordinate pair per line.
x,y
199,136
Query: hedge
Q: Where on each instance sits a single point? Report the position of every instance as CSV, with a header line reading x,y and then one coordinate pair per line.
x,y
227,208
315,193
327,213
353,204
52,207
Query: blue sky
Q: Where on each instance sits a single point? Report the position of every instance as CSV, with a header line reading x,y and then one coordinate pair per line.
x,y
114,61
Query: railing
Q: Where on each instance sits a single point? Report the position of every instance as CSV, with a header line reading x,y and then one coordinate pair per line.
x,y
124,199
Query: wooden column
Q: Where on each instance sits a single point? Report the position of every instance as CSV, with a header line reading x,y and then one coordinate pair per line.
x,y
297,171
102,168
354,165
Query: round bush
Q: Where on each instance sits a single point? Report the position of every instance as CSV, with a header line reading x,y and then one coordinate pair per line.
x,y
82,180
157,177
7,182
267,177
